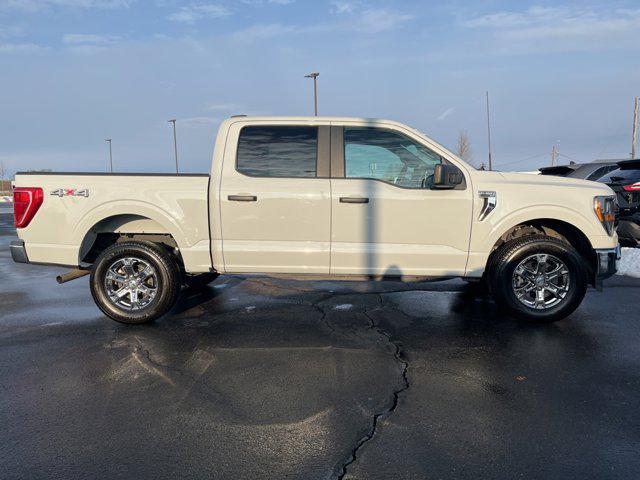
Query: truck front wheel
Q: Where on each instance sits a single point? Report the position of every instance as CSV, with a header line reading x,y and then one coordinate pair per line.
x,y
135,282
538,278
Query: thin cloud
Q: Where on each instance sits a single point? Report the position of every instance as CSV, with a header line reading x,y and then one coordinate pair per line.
x,y
89,43
89,38
446,113
342,7
192,13
368,20
11,31
365,22
197,121
265,31
223,107
39,6
262,2
380,20
548,23
22,48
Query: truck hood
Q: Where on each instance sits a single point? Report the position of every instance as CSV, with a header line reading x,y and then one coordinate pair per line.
x,y
533,181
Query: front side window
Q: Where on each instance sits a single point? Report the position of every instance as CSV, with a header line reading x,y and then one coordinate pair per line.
x,y
388,156
278,151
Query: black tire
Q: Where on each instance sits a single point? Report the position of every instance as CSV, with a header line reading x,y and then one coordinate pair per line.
x,y
509,256
200,280
166,281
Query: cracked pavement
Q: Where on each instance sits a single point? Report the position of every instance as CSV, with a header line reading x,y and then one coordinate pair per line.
x,y
262,378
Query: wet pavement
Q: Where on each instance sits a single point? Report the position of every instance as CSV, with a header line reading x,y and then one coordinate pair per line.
x,y
260,378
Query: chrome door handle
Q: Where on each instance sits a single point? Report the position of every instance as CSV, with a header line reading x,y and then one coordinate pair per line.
x,y
354,200
242,198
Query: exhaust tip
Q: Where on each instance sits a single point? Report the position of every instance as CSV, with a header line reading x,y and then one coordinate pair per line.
x,y
72,275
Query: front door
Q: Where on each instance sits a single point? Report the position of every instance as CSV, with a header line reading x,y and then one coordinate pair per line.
x,y
275,207
386,218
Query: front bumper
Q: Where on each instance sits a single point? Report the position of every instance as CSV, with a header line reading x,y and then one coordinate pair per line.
x,y
18,252
606,264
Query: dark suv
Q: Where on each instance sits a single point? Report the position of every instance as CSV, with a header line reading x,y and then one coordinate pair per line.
x,y
587,171
625,181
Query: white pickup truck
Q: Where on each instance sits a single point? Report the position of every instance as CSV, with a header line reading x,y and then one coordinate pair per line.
x,y
343,198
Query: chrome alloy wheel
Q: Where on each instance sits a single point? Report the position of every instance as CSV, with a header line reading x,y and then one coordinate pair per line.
x,y
131,283
541,281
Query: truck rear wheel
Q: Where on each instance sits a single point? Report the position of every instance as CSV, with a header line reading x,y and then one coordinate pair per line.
x,y
135,282
538,278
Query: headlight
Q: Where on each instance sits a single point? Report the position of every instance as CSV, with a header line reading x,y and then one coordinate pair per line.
x,y
604,208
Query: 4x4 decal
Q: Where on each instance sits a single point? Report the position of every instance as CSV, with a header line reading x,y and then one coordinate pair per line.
x,y
70,192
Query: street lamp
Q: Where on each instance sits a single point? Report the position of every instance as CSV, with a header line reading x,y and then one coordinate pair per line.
x,y
175,142
315,76
108,140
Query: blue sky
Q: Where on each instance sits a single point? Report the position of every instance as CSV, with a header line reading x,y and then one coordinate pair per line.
x,y
74,72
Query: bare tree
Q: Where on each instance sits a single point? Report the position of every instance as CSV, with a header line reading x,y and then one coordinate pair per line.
x,y
2,171
463,149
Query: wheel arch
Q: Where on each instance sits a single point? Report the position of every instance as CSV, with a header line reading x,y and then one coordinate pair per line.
x,y
551,227
539,214
103,226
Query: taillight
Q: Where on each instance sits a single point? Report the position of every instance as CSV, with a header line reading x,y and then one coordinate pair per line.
x,y
634,187
26,202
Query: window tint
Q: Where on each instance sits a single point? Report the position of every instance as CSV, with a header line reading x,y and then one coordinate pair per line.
x,y
601,171
621,176
278,151
388,156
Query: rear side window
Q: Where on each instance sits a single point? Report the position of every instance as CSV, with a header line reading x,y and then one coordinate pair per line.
x,y
281,151
601,171
622,176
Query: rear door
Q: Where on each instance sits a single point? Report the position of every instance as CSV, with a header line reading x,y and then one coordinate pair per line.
x,y
386,219
275,199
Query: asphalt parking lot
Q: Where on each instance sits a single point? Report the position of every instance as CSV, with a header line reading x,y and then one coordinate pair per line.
x,y
259,378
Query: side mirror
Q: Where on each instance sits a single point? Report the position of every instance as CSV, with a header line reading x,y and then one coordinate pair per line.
x,y
446,177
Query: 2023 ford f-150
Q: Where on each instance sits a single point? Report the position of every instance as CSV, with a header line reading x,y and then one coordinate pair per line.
x,y
335,197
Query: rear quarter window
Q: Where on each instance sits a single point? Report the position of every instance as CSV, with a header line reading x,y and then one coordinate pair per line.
x,y
600,172
622,176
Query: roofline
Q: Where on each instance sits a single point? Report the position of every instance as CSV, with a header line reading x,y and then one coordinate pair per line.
x,y
611,160
309,118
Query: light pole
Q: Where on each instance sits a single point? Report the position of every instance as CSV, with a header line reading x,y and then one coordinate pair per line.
x,y
108,140
489,133
315,76
634,134
175,142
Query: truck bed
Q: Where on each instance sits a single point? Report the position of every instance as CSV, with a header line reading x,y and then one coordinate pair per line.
x,y
78,206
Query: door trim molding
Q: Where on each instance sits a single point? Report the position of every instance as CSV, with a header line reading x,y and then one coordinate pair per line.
x,y
337,152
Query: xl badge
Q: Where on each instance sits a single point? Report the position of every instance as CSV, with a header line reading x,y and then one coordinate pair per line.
x,y
70,192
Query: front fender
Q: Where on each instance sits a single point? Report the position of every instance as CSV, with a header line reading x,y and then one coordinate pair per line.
x,y
485,234
589,227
